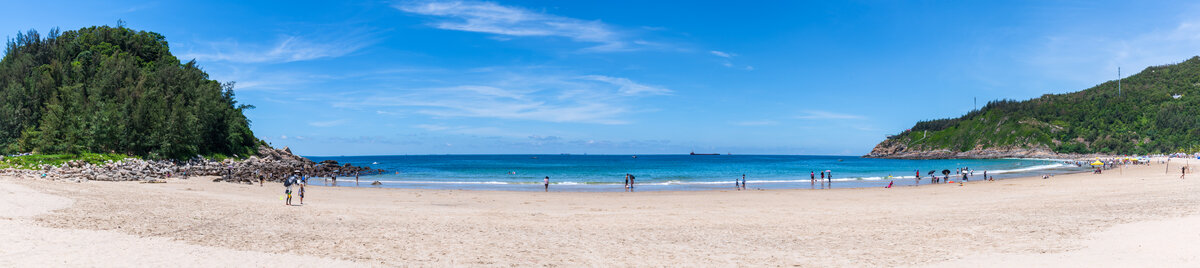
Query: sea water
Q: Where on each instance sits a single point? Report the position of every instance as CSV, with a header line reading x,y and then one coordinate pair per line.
x,y
670,172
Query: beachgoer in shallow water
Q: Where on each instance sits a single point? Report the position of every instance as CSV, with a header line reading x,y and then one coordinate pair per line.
x,y
626,182
812,177
743,182
631,182
547,183
830,177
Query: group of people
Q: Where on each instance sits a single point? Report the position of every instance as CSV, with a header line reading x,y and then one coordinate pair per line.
x,y
740,186
296,180
826,178
629,178
964,172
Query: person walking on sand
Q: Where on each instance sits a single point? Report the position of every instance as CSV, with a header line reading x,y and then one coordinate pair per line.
x,y
547,183
1182,171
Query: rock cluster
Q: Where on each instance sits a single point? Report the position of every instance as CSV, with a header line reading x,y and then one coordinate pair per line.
x,y
270,165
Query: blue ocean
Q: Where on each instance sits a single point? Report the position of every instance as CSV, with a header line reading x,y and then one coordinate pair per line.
x,y
669,172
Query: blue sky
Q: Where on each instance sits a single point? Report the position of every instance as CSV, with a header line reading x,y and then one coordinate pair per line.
x,y
631,77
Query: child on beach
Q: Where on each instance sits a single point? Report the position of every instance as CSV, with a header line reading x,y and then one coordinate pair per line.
x,y
301,193
547,183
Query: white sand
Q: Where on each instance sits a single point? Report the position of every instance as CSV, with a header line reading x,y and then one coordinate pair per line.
x,y
27,245
1139,217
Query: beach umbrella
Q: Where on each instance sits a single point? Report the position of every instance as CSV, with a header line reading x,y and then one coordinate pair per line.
x,y
1097,163
946,172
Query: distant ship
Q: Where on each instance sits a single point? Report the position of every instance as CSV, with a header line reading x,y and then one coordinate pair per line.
x,y
694,153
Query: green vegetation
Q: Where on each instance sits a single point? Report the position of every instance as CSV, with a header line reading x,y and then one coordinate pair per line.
x,y
115,90
1145,118
33,161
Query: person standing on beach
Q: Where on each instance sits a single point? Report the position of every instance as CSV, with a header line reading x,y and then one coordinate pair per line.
x,y
356,178
547,183
287,183
302,193
812,178
985,177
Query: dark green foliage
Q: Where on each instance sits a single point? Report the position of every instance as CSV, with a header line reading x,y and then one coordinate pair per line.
x,y
35,161
1144,118
113,89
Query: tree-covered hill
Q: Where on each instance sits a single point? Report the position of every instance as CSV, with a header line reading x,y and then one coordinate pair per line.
x,y
114,90
1156,111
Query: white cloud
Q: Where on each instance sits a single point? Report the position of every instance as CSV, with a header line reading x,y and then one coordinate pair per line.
x,y
286,49
823,115
550,98
492,18
327,123
721,54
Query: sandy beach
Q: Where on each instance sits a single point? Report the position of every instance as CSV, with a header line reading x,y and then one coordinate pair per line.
x,y
1138,216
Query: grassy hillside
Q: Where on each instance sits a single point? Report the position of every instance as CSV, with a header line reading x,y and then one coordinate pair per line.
x,y
1145,118
114,90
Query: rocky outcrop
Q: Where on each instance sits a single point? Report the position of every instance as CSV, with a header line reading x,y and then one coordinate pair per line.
x,y
892,148
270,164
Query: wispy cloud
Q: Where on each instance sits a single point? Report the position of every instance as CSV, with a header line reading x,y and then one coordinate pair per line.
x,y
823,115
330,123
1088,59
471,130
727,60
288,48
756,123
492,18
628,87
592,99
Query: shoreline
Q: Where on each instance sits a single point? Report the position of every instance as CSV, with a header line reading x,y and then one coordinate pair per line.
x,y
847,227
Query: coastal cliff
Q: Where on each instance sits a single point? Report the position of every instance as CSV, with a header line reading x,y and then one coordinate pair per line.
x,y
1154,111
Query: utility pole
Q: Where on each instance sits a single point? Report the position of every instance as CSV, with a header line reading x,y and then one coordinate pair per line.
x,y
975,100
